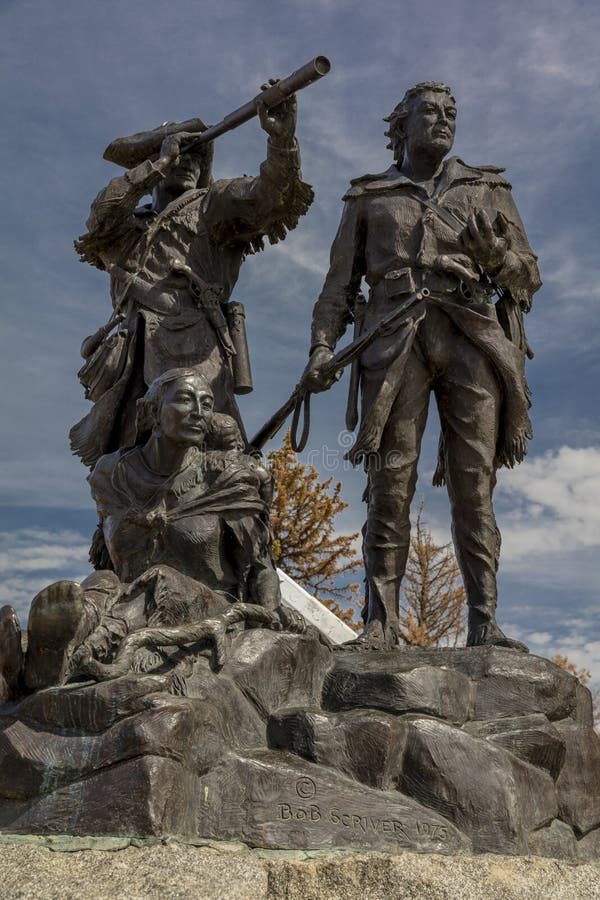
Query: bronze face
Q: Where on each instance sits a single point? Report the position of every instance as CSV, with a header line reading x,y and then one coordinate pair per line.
x,y
185,411
431,123
185,174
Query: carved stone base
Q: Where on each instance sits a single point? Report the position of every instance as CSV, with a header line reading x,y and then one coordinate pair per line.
x,y
293,746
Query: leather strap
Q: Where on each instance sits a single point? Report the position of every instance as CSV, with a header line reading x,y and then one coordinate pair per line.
x,y
302,406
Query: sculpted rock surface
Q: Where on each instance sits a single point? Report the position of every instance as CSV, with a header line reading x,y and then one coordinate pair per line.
x,y
532,738
283,801
488,794
274,669
584,713
365,744
556,839
578,784
510,686
589,846
502,685
356,683
292,745
90,707
148,795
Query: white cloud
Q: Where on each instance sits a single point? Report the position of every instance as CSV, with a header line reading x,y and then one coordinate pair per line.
x,y
304,251
32,558
572,641
540,638
582,653
559,55
552,507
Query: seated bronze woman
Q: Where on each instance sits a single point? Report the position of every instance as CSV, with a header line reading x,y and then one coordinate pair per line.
x,y
187,532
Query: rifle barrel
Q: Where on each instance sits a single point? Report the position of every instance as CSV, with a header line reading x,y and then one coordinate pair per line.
x,y
272,426
307,74
340,360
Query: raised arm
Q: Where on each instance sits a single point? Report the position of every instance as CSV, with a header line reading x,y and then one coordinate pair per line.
x,y
247,209
111,221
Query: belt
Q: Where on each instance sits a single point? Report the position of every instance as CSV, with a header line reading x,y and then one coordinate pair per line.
x,y
398,282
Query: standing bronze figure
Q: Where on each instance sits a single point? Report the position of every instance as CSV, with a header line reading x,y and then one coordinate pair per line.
x,y
174,263
452,230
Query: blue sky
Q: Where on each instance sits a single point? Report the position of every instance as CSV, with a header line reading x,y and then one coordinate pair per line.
x,y
525,75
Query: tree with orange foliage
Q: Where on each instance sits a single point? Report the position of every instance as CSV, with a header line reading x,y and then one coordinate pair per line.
x,y
564,662
305,542
584,676
432,599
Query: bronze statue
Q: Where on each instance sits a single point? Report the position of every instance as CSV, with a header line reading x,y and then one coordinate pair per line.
x,y
451,231
183,511
177,501
185,519
174,263
170,693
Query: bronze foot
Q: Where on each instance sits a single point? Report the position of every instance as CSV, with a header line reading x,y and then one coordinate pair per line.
x,y
57,624
374,637
490,635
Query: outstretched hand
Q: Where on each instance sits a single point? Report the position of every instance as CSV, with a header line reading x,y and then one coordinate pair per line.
x,y
482,244
279,121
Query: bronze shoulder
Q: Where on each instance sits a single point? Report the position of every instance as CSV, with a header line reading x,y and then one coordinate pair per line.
x,y
359,185
489,174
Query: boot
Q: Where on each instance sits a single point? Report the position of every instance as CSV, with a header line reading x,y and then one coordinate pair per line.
x,y
485,632
379,614
375,636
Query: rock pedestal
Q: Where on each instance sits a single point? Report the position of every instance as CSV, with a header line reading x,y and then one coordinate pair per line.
x,y
67,868
294,746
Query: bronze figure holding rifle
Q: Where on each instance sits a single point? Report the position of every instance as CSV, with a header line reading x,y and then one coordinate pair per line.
x,y
174,262
454,230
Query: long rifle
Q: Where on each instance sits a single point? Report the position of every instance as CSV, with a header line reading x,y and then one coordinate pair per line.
x,y
301,395
307,74
132,150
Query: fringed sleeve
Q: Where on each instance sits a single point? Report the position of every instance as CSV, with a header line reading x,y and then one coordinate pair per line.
x,y
248,209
